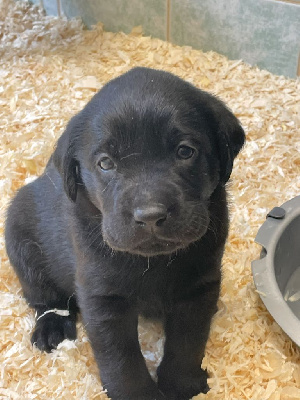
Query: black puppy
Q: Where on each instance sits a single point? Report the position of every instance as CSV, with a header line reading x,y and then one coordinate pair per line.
x,y
130,217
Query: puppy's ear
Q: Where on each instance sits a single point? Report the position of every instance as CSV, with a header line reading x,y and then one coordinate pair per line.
x,y
230,138
64,158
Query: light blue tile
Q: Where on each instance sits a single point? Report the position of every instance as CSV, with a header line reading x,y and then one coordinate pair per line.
x,y
50,6
121,15
261,32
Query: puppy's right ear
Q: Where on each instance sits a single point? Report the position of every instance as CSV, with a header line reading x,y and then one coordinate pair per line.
x,y
64,157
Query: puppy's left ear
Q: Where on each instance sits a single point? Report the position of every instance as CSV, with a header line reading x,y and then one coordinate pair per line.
x,y
64,157
230,138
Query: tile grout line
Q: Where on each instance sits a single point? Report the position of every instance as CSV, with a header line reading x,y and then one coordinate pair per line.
x,y
168,12
58,5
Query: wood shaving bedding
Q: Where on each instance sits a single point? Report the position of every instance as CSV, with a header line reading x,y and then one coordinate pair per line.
x,y
49,69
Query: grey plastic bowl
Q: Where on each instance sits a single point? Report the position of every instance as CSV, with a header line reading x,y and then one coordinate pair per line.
x,y
277,273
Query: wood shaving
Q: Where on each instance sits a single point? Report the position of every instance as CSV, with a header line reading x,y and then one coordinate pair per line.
x,y
294,297
49,69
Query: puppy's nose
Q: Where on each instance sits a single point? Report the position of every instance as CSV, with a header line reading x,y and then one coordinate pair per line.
x,y
153,215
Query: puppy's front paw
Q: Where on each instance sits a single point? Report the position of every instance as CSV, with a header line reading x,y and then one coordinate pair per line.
x,y
52,329
143,394
178,384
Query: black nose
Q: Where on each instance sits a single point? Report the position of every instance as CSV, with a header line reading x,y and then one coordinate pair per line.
x,y
153,215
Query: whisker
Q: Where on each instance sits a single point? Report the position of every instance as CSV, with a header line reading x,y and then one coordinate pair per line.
x,y
112,179
93,231
98,235
147,269
130,155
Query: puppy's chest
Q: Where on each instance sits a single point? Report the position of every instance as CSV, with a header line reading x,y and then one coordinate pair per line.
x,y
155,294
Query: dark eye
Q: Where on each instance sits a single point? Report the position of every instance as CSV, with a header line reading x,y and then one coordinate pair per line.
x,y
106,163
185,152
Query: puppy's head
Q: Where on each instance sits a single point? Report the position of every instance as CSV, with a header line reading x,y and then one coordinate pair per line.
x,y
150,149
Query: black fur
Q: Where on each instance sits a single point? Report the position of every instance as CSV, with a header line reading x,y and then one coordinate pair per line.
x,y
129,217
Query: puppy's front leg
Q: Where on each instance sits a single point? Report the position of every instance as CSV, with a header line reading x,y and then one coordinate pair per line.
x,y
180,376
111,323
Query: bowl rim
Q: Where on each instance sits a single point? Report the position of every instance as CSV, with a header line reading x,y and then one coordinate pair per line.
x,y
263,270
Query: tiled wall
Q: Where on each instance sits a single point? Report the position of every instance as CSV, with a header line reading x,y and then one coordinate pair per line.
x,y
261,32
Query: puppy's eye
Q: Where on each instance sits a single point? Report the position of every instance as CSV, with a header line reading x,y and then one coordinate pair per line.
x,y
106,163
185,152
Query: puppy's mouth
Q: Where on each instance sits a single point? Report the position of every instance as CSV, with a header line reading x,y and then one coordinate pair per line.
x,y
155,247
152,246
